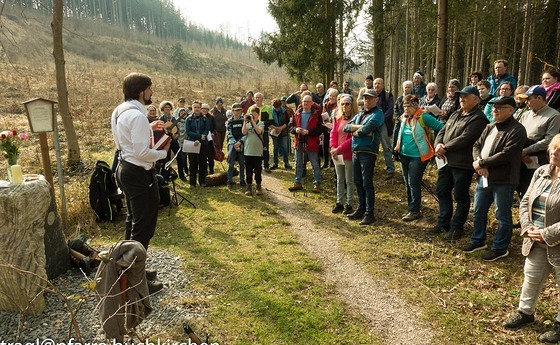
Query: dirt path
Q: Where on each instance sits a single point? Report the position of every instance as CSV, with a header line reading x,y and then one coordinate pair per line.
x,y
390,317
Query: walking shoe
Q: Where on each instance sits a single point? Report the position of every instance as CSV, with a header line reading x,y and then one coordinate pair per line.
x,y
356,215
274,167
436,230
203,184
316,188
552,336
191,186
151,274
471,248
259,190
368,219
267,170
492,255
230,184
410,216
347,209
154,286
338,208
288,167
242,184
517,320
297,186
454,234
249,190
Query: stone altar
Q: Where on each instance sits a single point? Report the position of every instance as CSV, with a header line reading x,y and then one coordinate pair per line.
x,y
32,241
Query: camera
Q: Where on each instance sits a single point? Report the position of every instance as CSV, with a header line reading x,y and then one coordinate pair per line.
x,y
248,118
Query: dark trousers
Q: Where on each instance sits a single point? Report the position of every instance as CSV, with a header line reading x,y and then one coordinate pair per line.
x,y
198,165
525,176
253,164
140,188
363,164
326,150
266,141
453,183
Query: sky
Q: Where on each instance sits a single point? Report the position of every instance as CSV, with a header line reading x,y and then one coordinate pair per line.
x,y
242,19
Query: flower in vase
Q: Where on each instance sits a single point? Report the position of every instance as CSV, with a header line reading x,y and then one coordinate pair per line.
x,y
10,142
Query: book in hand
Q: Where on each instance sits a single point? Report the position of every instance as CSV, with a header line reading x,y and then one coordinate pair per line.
x,y
162,142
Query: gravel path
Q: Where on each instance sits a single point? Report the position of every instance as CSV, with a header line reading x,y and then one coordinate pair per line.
x,y
389,316
53,323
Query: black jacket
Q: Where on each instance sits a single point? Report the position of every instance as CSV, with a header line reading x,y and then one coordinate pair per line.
x,y
504,161
459,135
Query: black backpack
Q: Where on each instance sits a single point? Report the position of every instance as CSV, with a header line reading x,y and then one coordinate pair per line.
x,y
101,186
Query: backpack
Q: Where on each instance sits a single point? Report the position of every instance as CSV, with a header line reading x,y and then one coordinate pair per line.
x,y
102,185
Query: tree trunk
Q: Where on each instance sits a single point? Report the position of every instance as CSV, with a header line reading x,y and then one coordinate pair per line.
x,y
341,45
441,47
524,44
63,107
378,39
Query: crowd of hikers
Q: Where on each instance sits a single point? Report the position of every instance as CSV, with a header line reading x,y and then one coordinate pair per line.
x,y
504,134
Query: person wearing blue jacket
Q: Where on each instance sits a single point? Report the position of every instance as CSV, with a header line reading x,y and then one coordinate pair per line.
x,y
500,75
366,129
197,129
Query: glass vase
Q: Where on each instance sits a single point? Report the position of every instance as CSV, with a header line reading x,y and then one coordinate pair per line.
x,y
13,160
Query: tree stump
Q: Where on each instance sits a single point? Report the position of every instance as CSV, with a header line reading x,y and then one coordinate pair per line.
x,y
32,244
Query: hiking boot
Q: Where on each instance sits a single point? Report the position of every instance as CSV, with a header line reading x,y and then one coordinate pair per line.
x,y
492,255
230,184
471,248
288,167
410,216
259,190
317,188
338,208
347,209
297,186
242,184
368,219
154,286
454,234
151,274
517,320
356,215
267,170
552,336
436,230
249,190
274,167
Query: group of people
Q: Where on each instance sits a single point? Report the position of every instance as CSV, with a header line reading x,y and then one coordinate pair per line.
x,y
516,149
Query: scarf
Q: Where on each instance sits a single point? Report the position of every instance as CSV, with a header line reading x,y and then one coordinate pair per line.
x,y
551,89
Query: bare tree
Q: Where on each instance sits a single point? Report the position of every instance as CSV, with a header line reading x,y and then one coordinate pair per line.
x,y
63,107
441,47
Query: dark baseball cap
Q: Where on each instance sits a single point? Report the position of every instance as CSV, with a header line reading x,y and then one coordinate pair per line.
x,y
469,90
535,90
370,93
503,100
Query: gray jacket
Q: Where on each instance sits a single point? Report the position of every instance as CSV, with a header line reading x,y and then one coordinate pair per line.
x,y
551,232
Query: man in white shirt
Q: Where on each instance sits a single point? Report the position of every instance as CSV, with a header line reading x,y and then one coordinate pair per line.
x,y
135,172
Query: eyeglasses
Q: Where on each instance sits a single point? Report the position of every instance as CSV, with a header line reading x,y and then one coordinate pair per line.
x,y
344,104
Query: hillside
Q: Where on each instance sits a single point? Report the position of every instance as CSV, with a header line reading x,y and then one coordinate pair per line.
x,y
98,55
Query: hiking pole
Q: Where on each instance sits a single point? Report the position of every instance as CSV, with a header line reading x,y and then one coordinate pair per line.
x,y
430,191
304,149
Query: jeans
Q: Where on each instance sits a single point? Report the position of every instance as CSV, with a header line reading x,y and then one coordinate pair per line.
x,y
502,197
232,155
344,182
198,165
266,141
386,144
140,188
413,170
362,167
280,144
313,157
536,271
457,182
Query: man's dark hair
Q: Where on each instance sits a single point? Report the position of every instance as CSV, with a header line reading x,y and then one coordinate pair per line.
x,y
486,83
133,84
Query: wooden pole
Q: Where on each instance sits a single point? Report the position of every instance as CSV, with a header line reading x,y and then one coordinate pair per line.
x,y
46,159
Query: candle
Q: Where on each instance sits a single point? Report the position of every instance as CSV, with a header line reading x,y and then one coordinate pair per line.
x,y
17,174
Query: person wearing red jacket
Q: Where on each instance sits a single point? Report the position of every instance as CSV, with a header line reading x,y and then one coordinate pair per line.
x,y
307,126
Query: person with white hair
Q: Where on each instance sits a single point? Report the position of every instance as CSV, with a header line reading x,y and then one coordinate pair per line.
x,y
418,87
